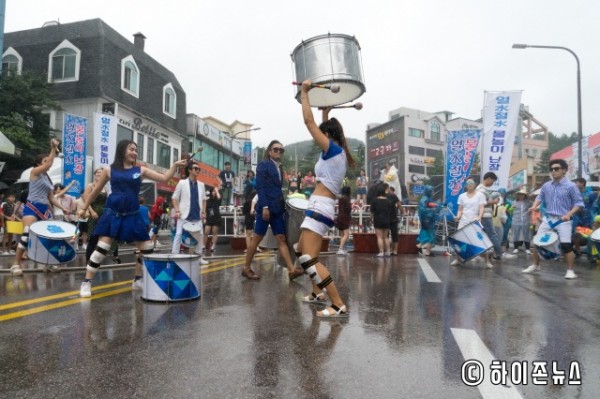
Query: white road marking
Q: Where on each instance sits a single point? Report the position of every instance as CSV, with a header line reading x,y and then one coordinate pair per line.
x,y
428,271
473,348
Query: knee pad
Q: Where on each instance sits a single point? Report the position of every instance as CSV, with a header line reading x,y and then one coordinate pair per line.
x,y
24,238
566,247
97,257
308,264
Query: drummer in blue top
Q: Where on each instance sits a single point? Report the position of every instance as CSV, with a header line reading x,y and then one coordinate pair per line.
x,y
121,219
562,200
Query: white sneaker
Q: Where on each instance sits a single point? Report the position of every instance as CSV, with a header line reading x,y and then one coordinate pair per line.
x,y
137,285
86,289
570,274
203,262
531,269
516,251
158,244
489,265
508,256
12,252
341,252
527,252
5,253
380,255
455,262
15,270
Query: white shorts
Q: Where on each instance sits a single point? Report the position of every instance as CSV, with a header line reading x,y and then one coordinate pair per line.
x,y
326,207
564,229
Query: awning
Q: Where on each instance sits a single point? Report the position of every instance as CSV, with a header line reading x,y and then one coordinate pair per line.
x,y
6,146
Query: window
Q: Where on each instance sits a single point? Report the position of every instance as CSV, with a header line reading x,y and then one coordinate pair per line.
x,y
416,150
64,63
11,62
140,144
150,152
123,133
416,169
175,154
433,153
163,155
169,101
412,132
435,130
130,76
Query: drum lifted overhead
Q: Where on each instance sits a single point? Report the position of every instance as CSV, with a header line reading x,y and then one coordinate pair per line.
x,y
326,59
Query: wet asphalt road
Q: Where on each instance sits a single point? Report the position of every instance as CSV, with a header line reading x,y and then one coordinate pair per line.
x,y
413,323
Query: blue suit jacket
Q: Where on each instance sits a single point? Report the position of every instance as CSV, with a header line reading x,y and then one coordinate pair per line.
x,y
268,188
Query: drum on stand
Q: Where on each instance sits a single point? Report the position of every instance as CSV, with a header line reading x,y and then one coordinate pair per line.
x,y
171,277
470,241
326,59
51,242
547,244
191,234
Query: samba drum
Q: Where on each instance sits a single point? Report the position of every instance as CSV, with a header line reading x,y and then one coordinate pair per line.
x,y
595,239
171,277
547,244
295,216
331,58
269,241
51,242
190,234
470,241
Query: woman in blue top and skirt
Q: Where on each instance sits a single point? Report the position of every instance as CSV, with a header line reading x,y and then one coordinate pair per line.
x,y
330,171
121,219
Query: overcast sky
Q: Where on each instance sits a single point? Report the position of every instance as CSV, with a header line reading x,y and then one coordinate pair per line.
x,y
232,57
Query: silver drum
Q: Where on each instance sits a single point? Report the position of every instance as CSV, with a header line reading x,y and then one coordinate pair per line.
x,y
326,59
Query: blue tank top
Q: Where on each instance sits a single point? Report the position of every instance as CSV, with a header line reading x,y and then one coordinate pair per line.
x,y
125,185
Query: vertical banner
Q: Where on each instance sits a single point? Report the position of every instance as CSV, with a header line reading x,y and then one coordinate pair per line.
x,y
247,152
461,148
500,123
74,149
105,139
585,164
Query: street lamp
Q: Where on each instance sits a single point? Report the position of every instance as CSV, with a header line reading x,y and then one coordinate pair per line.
x,y
579,128
234,135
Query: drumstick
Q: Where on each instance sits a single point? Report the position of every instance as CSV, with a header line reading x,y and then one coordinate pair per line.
x,y
199,149
333,87
357,106
76,233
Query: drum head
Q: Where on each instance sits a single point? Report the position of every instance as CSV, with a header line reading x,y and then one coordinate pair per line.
x,y
297,203
595,235
53,229
192,227
541,240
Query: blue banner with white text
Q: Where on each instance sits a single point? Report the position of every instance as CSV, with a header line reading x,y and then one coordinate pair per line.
x,y
461,149
74,149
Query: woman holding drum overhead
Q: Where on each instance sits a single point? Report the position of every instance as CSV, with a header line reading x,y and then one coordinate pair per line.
x,y
39,199
330,172
470,209
121,219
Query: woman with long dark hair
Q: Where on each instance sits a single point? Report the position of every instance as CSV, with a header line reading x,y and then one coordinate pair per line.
x,y
121,219
330,171
39,199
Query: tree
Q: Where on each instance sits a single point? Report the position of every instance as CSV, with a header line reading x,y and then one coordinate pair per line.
x,y
24,98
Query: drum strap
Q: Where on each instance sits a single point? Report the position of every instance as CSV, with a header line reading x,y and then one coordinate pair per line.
x,y
319,217
42,216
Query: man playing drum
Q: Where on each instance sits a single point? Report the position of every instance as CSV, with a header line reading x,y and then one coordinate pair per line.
x,y
562,200
189,203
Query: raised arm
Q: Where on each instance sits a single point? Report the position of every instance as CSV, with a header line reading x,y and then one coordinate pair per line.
x,y
309,120
163,177
46,164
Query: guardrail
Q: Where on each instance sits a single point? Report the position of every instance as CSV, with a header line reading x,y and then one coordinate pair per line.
x,y
232,224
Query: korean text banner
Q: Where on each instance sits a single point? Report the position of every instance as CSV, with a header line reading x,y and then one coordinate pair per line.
x,y
105,139
461,149
74,149
500,123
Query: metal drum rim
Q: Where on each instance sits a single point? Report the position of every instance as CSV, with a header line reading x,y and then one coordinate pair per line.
x,y
326,35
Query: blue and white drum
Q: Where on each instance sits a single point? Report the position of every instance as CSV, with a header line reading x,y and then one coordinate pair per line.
x,y
547,244
51,242
171,277
190,234
470,241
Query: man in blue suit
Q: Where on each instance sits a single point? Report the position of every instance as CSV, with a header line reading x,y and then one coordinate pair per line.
x,y
270,210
